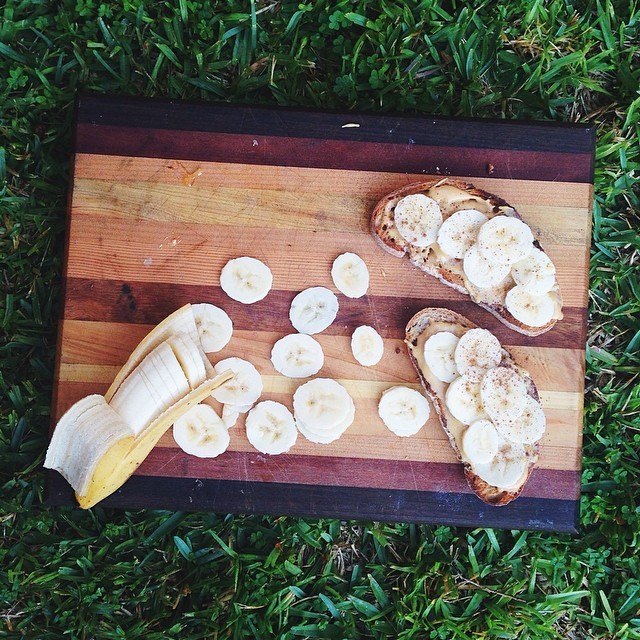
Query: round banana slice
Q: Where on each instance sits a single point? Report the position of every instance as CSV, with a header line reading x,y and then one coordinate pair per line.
x,y
246,279
529,308
477,348
459,231
536,273
244,388
297,356
271,428
481,441
214,326
481,272
506,468
463,397
528,428
503,394
200,432
403,410
418,218
439,352
367,346
321,404
350,275
313,310
505,239
327,436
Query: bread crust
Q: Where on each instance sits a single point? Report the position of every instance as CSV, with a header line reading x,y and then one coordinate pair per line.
x,y
388,237
417,326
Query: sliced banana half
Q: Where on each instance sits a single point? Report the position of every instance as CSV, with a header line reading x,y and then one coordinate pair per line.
x,y
536,273
200,432
418,218
271,428
246,279
214,326
529,308
506,468
529,427
459,231
503,394
190,357
477,348
463,400
313,310
439,352
152,387
403,410
480,442
505,239
244,388
297,356
367,346
323,407
350,275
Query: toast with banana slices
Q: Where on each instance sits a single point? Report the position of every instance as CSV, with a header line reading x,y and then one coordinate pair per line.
x,y
486,403
478,244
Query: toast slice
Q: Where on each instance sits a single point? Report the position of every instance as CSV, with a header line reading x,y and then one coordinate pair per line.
x,y
499,479
516,308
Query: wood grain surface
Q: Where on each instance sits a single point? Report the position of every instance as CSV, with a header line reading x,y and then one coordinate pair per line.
x,y
165,193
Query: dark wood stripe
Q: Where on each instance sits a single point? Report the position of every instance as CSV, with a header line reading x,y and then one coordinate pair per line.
x,y
342,472
306,123
149,303
316,501
319,153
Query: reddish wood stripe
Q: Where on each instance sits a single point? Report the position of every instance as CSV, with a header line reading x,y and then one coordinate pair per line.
x,y
343,472
142,303
332,154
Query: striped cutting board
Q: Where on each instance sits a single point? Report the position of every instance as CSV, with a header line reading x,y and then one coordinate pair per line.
x,y
164,193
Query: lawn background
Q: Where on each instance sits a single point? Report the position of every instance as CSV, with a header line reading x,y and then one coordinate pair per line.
x,y
140,574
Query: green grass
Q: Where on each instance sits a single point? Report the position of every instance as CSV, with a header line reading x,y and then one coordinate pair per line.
x,y
152,575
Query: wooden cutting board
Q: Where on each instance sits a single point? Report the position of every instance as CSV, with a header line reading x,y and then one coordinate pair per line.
x,y
164,193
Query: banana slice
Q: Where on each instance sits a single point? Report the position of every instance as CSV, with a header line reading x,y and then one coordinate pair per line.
x,y
439,352
200,432
503,394
481,272
459,231
403,410
323,407
151,388
246,279
327,436
528,428
463,397
367,346
529,308
271,428
190,358
214,326
350,275
297,356
477,348
313,310
480,442
244,388
536,273
230,415
418,218
505,239
506,468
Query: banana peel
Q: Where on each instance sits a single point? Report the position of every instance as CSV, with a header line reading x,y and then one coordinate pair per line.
x,y
121,460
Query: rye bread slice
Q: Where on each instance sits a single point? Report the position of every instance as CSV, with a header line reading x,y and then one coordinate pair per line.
x,y
446,269
424,324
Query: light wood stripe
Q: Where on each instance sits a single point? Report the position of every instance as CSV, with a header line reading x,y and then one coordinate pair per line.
x,y
210,175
